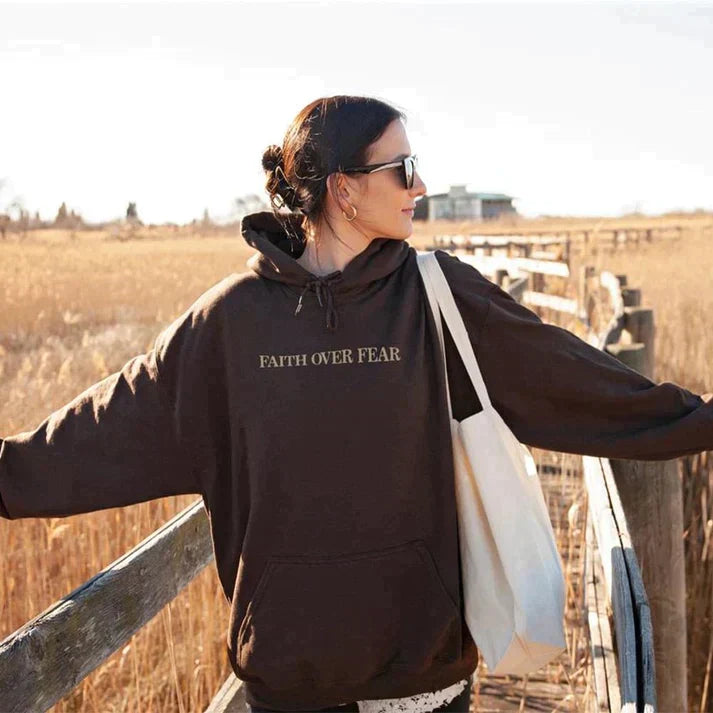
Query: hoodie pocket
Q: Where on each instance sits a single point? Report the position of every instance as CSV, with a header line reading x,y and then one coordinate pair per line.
x,y
336,620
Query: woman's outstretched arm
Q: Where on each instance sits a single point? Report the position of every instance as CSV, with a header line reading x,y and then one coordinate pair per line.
x,y
126,439
555,391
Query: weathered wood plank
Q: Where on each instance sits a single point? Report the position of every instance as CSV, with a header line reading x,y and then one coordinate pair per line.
x,y
515,265
517,288
616,573
606,683
542,299
45,659
230,698
609,530
645,662
501,695
544,255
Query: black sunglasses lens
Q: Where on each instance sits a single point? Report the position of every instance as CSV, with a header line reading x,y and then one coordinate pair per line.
x,y
408,172
410,165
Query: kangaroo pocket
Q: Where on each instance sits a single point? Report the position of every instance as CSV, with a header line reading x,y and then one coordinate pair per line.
x,y
345,619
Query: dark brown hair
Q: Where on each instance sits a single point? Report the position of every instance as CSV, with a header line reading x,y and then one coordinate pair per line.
x,y
329,134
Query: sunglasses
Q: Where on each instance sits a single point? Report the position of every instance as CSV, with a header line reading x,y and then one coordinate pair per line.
x,y
408,167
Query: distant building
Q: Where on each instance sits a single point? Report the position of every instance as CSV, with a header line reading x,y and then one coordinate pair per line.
x,y
459,204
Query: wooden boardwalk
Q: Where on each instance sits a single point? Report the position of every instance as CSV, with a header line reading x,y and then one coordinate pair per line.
x,y
566,683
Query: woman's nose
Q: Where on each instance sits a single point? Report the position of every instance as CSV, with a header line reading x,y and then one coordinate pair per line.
x,y
419,187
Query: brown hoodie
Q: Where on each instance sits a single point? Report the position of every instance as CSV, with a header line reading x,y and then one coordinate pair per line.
x,y
310,414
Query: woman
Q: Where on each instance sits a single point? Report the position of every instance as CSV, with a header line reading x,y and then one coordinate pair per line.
x,y
304,399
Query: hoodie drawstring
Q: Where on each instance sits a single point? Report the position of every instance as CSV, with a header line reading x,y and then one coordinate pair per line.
x,y
319,287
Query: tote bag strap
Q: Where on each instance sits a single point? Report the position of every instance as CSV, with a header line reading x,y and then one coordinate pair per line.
x,y
437,285
423,259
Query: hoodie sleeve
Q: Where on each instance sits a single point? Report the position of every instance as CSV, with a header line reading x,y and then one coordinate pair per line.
x,y
557,392
128,438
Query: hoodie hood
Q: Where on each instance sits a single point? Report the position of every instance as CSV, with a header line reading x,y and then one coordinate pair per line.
x,y
277,253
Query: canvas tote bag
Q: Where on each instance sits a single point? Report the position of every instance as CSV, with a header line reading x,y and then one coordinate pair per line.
x,y
513,581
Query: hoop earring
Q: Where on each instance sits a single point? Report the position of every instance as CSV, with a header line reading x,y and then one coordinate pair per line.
x,y
352,218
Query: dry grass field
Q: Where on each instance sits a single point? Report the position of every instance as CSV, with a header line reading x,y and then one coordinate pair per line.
x,y
75,307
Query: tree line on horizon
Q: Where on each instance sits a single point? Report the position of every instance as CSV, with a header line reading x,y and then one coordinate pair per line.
x,y
17,218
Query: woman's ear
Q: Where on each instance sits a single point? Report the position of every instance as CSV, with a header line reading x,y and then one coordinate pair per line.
x,y
340,189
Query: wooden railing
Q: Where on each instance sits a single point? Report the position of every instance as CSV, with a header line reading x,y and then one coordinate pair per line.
x,y
565,240
47,658
636,508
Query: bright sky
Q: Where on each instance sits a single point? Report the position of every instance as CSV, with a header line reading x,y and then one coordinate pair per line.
x,y
576,108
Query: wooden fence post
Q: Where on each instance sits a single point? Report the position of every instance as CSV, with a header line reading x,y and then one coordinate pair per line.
x,y
639,323
652,499
583,297
631,296
568,251
500,277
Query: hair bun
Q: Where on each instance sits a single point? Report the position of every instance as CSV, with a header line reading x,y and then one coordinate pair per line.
x,y
272,157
